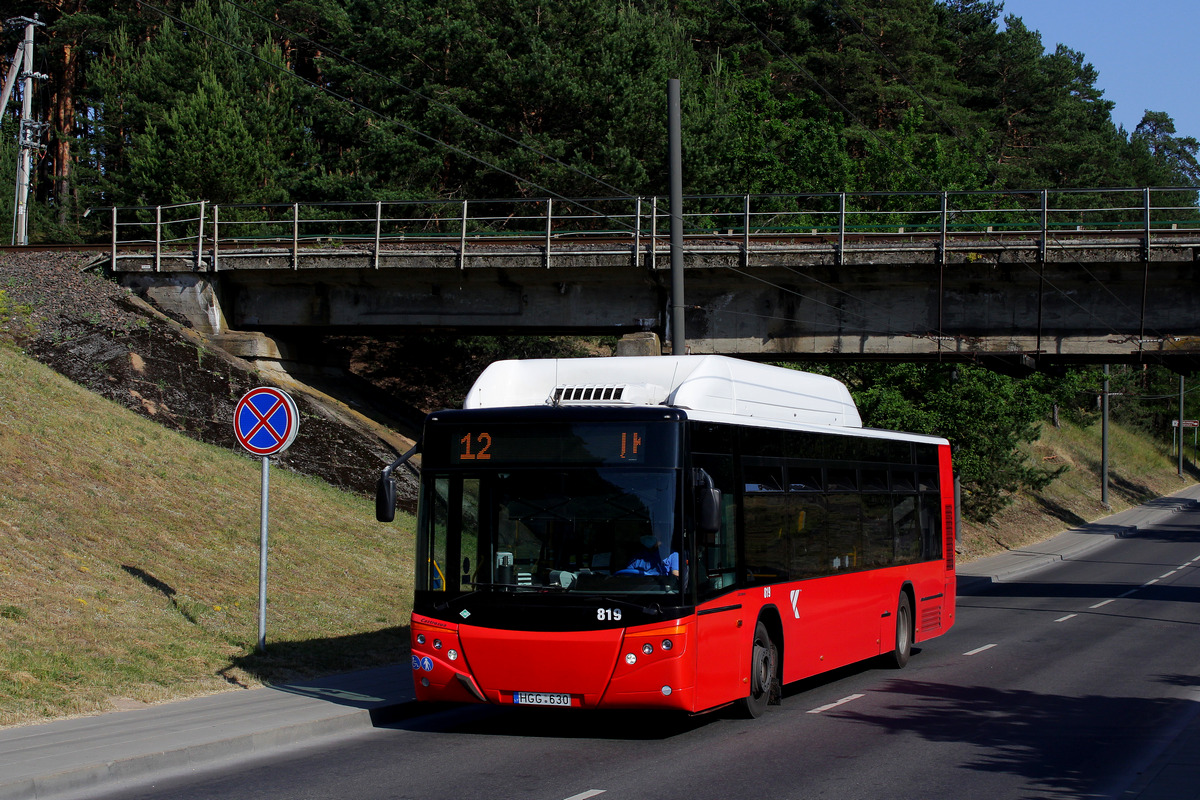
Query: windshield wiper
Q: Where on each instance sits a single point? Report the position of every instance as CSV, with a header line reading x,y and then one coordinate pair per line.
x,y
442,606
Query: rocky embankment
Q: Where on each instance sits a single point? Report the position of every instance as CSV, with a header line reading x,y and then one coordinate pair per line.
x,y
62,312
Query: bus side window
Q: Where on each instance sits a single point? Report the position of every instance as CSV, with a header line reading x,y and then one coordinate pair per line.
x,y
931,527
844,537
879,540
769,527
808,545
908,534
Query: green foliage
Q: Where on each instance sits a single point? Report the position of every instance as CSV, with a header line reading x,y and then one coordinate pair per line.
x,y
1164,158
397,99
180,116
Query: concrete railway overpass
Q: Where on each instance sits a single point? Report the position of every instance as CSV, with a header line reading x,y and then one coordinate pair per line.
x,y
1015,280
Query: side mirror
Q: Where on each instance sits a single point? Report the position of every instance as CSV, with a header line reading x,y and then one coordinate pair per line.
x,y
385,489
708,502
385,499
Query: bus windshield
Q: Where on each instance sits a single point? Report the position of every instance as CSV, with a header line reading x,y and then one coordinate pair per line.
x,y
597,530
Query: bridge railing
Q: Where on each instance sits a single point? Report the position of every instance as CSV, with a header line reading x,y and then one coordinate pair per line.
x,y
205,234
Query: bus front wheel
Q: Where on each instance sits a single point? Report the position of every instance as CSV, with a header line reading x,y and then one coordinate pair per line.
x,y
904,633
764,673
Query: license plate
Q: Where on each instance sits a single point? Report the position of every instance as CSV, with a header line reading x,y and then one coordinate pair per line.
x,y
541,699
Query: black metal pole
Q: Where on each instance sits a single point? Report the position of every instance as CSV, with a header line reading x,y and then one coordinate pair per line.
x,y
1181,426
1104,443
675,153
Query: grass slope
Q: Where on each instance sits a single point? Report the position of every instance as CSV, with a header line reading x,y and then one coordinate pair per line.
x,y
1139,469
129,561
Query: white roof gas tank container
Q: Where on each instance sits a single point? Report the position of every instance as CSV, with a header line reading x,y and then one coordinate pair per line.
x,y
708,387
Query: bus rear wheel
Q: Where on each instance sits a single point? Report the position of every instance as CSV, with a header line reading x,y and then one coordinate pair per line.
x,y
904,633
764,674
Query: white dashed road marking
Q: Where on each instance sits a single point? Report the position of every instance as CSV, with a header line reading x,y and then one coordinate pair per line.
x,y
979,650
838,703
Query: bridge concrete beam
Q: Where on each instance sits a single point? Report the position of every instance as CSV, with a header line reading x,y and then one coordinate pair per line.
x,y
889,300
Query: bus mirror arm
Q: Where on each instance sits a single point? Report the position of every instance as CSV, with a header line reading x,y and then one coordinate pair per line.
x,y
385,489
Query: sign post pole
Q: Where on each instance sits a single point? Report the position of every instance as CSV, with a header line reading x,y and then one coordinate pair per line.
x,y
262,557
265,421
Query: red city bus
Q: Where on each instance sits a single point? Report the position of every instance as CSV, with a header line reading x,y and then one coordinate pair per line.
x,y
668,532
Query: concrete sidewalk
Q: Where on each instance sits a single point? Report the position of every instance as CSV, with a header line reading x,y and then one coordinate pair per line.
x,y
79,757
89,755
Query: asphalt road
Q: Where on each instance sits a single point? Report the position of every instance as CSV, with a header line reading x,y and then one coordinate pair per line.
x,y
1065,684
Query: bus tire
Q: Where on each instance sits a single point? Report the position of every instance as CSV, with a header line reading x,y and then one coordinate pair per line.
x,y
904,633
764,674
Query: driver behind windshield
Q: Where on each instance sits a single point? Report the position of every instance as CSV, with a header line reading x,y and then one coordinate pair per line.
x,y
649,560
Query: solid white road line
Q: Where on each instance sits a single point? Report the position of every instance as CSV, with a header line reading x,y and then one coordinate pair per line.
x,y
835,705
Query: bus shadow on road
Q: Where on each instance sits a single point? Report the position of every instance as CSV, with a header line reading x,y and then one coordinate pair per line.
x,y
479,720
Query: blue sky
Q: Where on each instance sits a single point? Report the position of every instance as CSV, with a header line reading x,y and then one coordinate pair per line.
x,y
1146,52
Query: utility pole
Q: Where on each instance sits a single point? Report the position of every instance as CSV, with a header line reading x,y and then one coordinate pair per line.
x,y
1181,425
29,135
1104,444
675,159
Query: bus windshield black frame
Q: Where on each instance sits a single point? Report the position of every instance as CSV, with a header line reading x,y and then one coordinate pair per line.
x,y
529,502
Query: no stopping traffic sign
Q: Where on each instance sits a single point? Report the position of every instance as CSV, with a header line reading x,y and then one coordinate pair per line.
x,y
265,421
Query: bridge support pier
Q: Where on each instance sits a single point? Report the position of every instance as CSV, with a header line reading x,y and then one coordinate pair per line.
x,y
182,295
645,343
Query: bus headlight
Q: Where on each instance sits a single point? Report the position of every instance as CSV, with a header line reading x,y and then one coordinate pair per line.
x,y
630,659
647,648
666,644
452,655
420,638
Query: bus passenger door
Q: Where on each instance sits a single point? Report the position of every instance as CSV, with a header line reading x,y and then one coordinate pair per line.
x,y
722,651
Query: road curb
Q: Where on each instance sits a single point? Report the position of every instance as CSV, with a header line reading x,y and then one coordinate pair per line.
x,y
86,779
79,758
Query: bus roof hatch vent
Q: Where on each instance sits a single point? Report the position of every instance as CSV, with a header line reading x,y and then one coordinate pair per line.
x,y
623,394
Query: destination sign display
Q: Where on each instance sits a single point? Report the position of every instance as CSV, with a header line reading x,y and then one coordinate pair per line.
x,y
489,445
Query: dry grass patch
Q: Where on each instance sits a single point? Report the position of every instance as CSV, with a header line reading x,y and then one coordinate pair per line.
x,y
1139,470
129,561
